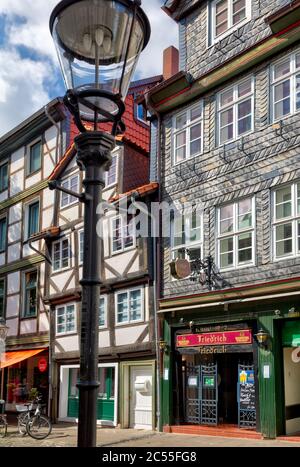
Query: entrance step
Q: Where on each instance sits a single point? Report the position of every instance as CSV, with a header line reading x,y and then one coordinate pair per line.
x,y
291,438
226,431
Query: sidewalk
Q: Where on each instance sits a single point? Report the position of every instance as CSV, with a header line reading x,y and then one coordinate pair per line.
x,y
65,435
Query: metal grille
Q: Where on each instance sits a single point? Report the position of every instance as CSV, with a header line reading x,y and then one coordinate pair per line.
x,y
209,395
193,402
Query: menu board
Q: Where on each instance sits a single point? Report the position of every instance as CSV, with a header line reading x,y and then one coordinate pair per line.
x,y
247,396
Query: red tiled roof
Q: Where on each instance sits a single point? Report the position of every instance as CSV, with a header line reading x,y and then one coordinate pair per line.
x,y
141,190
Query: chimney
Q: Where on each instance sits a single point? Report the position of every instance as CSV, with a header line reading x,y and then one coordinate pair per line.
x,y
170,62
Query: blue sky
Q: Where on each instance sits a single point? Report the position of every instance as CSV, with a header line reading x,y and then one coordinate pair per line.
x,y
29,71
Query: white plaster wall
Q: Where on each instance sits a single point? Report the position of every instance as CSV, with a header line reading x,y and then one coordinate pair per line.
x,y
67,343
3,195
60,280
109,193
119,262
28,326
44,322
129,335
71,214
15,213
17,160
14,252
27,251
2,259
36,178
14,232
48,197
13,282
104,339
16,182
12,327
48,165
13,306
47,218
50,137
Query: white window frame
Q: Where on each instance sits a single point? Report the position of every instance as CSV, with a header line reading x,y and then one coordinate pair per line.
x,y
28,156
125,323
24,293
26,214
293,219
60,241
108,185
104,326
186,128
80,260
124,248
75,319
235,234
231,27
236,101
291,76
69,197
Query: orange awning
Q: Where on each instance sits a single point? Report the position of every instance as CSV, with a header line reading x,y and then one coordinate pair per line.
x,y
11,358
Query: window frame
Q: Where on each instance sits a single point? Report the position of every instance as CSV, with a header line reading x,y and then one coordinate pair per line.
x,y
235,103
124,248
104,326
291,76
4,218
293,219
60,241
116,155
27,223
24,289
64,306
4,164
190,244
189,123
69,197
128,291
29,153
235,234
3,279
231,27
80,260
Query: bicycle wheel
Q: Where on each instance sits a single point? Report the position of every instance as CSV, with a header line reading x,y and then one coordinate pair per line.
x,y
3,428
23,419
39,427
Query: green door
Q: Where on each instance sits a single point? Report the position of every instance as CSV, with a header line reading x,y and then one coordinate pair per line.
x,y
105,404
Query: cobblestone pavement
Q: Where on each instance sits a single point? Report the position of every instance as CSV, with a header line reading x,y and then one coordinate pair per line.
x,y
65,435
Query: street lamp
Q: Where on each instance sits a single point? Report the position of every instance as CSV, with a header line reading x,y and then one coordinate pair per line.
x,y
98,44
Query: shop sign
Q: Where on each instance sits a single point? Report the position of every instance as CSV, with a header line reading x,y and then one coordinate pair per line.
x,y
241,337
42,365
246,377
193,381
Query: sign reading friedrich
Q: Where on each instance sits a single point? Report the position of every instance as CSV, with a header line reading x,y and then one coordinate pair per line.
x,y
215,338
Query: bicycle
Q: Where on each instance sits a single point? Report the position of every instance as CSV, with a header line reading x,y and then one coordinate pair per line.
x,y
38,426
3,426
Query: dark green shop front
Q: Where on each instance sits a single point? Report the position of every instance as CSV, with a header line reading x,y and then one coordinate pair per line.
x,y
106,401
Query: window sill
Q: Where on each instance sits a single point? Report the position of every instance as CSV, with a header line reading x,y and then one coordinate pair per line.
x,y
28,317
177,164
119,252
64,334
234,268
232,141
216,40
28,175
129,323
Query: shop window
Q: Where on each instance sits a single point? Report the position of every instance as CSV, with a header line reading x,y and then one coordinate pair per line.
x,y
65,319
30,294
286,221
32,221
227,16
129,306
70,183
35,157
236,234
123,236
2,298
61,254
235,111
186,234
3,232
4,176
103,312
286,87
188,134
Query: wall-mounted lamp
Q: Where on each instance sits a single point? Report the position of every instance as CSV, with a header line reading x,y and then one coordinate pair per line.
x,y
163,345
262,338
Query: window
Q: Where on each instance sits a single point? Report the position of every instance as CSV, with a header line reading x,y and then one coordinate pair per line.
x,y
122,235
102,312
286,221
129,306
236,234
111,175
141,113
71,183
65,319
61,254
81,246
187,134
35,157
186,232
286,87
4,176
2,298
228,15
235,111
32,218
3,230
30,294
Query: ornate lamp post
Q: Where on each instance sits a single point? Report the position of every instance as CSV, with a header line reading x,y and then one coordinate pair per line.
x,y
3,334
98,44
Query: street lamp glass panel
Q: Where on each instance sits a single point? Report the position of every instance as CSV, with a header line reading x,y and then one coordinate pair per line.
x,y
98,44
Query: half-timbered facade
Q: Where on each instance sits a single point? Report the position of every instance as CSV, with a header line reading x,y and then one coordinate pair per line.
x,y
228,141
126,324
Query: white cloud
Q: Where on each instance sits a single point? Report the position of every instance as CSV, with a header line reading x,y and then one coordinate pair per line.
x,y
24,82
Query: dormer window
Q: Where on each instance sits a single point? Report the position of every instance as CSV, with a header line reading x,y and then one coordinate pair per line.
x,y
141,113
228,15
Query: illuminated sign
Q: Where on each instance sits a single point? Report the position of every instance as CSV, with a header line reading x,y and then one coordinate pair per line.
x,y
215,338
